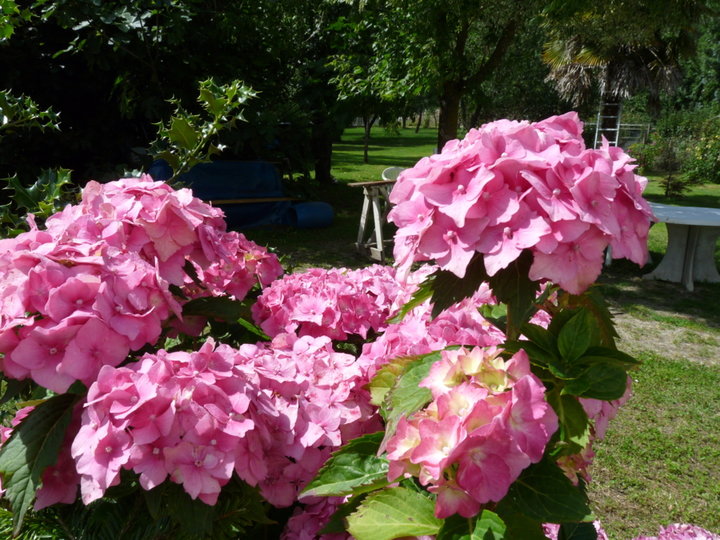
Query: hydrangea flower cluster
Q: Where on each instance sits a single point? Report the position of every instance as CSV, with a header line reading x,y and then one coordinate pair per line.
x,y
675,531
334,303
308,520
96,283
512,186
418,333
270,413
682,531
488,421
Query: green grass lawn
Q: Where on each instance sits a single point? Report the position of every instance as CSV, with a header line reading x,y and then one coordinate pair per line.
x,y
660,462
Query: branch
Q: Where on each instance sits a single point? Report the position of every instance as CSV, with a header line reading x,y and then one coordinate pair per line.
x,y
501,47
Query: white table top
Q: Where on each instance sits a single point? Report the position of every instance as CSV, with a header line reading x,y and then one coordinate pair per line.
x,y
687,215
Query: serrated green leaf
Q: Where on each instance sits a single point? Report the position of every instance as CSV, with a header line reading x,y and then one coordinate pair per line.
x,y
574,426
406,397
182,133
420,296
385,378
456,527
519,526
541,337
604,381
15,388
336,523
544,493
448,289
595,303
216,307
512,286
495,313
394,513
611,356
537,354
576,336
577,531
489,526
33,446
354,468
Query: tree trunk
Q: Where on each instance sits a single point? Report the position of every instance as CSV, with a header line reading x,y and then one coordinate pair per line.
x,y
368,122
321,141
417,128
449,113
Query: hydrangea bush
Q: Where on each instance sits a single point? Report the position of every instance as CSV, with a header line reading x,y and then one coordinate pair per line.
x,y
175,376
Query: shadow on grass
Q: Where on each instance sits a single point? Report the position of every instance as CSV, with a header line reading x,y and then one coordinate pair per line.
x,y
704,200
623,285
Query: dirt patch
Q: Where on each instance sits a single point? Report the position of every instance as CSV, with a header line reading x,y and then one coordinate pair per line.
x,y
680,343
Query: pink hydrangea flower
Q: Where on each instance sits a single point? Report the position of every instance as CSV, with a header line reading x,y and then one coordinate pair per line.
x,y
487,422
682,531
96,283
270,413
509,187
336,303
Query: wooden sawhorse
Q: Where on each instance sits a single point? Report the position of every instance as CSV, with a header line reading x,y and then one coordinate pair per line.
x,y
375,200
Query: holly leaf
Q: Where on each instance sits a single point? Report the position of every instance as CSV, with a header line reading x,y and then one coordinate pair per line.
x,y
182,133
394,513
33,446
354,468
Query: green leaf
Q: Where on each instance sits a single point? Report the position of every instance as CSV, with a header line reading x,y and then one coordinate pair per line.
x,y
574,428
495,313
541,337
423,293
538,355
354,468
577,531
337,522
489,526
182,133
456,527
518,525
221,308
593,301
544,493
385,378
448,289
406,397
605,381
14,389
512,286
576,336
610,356
33,446
394,513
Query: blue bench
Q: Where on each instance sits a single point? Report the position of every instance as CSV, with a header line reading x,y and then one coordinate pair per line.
x,y
251,194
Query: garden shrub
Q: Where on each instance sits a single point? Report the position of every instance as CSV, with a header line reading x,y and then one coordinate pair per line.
x,y
468,401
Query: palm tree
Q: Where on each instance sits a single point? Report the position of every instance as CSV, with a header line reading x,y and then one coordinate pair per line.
x,y
620,53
